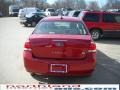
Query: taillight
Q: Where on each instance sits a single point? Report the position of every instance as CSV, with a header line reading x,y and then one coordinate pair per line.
x,y
27,46
92,48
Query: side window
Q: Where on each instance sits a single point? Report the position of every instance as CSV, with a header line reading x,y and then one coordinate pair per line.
x,y
109,18
91,17
76,13
117,18
38,10
40,15
71,13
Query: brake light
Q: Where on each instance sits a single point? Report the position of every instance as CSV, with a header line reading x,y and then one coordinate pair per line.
x,y
27,46
92,48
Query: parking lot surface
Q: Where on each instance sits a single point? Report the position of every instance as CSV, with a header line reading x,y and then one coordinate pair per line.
x,y
12,38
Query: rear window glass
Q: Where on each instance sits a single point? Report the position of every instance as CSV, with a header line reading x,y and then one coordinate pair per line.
x,y
91,17
15,10
71,13
76,13
51,10
111,18
117,18
54,27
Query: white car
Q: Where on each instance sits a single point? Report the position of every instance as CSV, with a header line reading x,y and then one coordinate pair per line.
x,y
23,12
13,10
74,13
50,12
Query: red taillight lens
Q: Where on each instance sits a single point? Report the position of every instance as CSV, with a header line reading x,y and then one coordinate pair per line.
x,y
92,47
27,46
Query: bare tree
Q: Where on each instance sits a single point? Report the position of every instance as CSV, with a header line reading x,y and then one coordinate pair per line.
x,y
76,4
112,4
4,7
106,6
68,3
34,3
93,5
80,4
115,4
56,5
60,4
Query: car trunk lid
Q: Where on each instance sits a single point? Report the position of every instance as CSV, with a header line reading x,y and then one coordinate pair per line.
x,y
54,46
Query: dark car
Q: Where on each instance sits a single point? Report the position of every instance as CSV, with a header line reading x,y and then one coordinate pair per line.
x,y
1,14
32,19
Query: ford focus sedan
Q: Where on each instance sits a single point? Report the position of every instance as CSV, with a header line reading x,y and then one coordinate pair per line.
x,y
60,46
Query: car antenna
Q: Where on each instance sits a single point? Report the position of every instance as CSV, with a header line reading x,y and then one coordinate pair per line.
x,y
61,14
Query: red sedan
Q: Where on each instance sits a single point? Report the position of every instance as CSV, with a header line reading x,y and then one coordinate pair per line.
x,y
60,46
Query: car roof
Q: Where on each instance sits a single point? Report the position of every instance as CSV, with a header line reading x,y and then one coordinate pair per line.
x,y
99,12
64,18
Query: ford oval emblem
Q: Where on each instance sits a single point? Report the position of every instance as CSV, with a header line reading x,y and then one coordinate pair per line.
x,y
59,44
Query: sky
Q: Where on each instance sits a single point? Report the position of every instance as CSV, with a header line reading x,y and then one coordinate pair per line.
x,y
51,1
100,2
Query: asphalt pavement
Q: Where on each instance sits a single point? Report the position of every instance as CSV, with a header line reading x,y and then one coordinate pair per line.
x,y
12,38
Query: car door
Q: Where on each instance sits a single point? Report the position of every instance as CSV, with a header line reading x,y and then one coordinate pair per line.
x,y
91,20
111,23
117,19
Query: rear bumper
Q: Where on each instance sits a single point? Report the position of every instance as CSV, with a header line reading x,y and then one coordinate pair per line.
x,y
74,67
14,14
23,21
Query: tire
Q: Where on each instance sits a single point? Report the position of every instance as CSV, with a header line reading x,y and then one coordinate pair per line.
x,y
32,74
96,34
33,24
37,75
25,24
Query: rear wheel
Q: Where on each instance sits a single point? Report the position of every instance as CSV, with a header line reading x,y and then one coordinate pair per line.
x,y
96,34
25,24
38,75
32,74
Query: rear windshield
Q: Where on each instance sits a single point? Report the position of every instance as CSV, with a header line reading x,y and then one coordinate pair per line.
x,y
15,10
76,13
30,10
51,10
56,27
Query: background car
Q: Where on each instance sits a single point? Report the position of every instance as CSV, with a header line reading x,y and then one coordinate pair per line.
x,y
23,12
13,10
50,12
60,47
101,23
66,11
58,12
20,13
1,14
32,19
113,10
74,13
